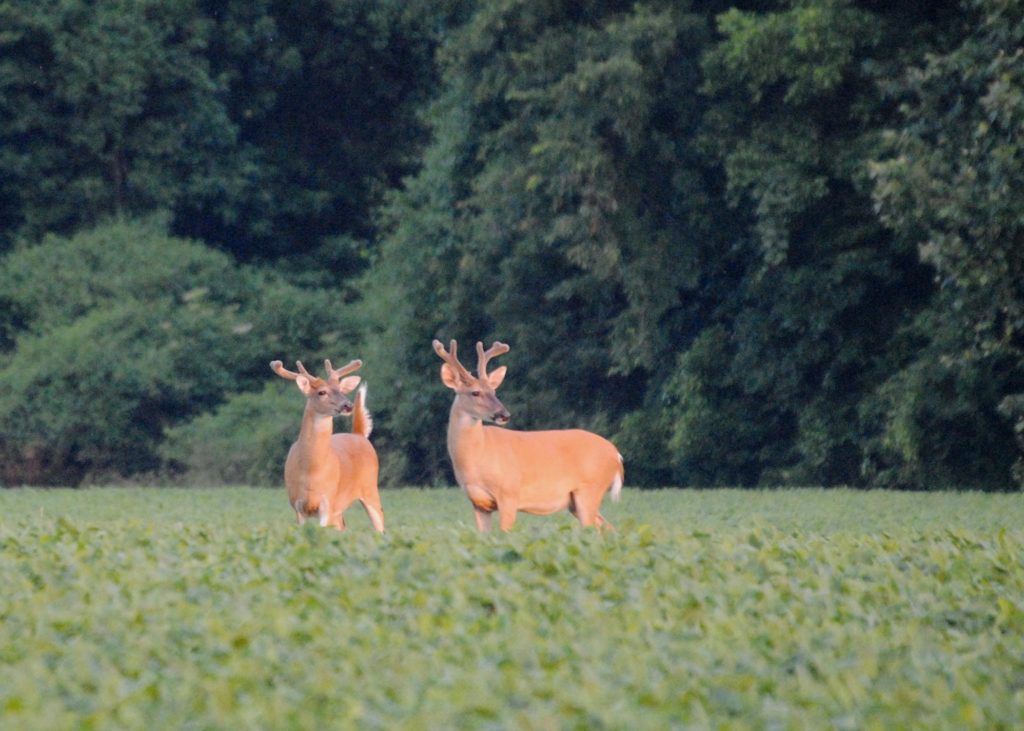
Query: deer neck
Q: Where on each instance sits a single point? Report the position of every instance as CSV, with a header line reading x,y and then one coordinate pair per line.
x,y
314,442
466,437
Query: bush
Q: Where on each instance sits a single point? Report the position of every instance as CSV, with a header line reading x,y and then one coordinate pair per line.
x,y
243,441
139,332
937,422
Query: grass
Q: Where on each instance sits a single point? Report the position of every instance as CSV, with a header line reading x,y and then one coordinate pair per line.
x,y
209,609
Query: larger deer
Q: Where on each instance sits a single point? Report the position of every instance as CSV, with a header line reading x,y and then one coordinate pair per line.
x,y
538,472
326,472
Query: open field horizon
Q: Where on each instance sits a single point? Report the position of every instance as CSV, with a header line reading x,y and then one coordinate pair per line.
x,y
807,508
209,608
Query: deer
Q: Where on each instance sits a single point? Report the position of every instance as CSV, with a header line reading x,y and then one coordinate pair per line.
x,y
325,472
536,472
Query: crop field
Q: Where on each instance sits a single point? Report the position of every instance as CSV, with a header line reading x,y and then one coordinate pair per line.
x,y
136,608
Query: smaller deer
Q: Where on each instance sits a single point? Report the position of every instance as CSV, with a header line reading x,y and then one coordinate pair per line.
x,y
536,472
326,472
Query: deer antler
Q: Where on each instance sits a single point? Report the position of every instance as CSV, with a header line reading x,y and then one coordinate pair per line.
x,y
280,370
452,360
334,376
483,358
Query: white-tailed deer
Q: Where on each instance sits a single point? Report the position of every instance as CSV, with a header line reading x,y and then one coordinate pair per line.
x,y
326,472
538,472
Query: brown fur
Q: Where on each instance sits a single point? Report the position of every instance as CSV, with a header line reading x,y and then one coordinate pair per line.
x,y
537,472
341,468
326,472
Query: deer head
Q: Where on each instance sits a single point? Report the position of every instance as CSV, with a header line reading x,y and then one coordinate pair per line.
x,y
475,395
329,397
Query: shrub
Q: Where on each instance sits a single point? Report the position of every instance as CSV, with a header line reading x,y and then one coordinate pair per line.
x,y
118,333
243,441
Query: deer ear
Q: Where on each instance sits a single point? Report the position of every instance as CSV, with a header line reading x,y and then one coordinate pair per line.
x,y
347,385
304,385
448,377
496,376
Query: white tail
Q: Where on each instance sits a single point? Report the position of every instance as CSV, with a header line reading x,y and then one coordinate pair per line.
x,y
616,491
326,472
509,471
362,422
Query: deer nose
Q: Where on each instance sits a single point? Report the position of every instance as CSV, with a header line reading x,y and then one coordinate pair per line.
x,y
501,417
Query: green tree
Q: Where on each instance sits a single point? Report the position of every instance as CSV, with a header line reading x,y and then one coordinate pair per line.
x,y
953,185
557,209
104,108
257,135
758,243
242,441
787,381
133,332
935,421
327,122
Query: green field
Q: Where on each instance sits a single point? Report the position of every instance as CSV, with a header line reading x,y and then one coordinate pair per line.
x,y
806,609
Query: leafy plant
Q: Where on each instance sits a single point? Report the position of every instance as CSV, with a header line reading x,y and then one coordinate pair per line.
x,y
141,331
135,608
242,441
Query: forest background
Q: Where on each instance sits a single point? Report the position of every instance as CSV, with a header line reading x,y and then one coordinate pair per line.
x,y
753,243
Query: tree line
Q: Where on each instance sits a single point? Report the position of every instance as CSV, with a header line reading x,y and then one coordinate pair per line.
x,y
753,243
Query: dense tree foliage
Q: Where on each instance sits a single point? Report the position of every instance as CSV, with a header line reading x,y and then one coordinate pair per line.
x,y
259,135
122,331
756,243
542,215
953,184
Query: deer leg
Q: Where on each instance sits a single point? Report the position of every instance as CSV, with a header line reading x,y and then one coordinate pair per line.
x,y
324,511
376,515
506,516
483,520
299,506
336,520
585,513
603,524
338,517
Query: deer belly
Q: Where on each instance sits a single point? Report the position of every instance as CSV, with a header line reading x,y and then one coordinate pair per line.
x,y
545,506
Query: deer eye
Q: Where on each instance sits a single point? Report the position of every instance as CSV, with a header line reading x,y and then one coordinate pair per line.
x,y
475,393
321,393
